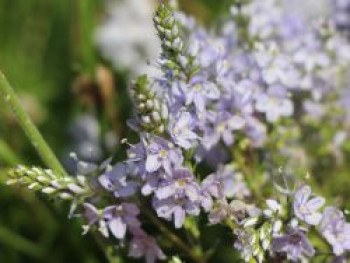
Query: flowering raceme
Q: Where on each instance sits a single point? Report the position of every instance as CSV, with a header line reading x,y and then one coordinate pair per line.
x,y
212,130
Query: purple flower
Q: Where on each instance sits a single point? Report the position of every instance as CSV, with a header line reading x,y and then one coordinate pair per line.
x,y
162,154
341,15
294,243
119,217
225,182
219,211
335,230
182,183
143,245
275,103
236,210
339,259
176,208
151,184
94,216
199,91
181,130
256,131
137,159
273,208
177,197
306,208
116,181
223,127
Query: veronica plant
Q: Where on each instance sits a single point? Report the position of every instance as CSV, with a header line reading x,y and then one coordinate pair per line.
x,y
212,132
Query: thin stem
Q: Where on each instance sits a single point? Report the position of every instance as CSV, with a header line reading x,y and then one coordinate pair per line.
x,y
8,155
9,97
174,238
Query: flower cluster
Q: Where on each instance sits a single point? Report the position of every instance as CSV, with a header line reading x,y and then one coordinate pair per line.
x,y
213,128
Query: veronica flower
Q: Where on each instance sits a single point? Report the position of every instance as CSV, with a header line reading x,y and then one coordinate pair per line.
x,y
255,131
245,243
341,15
143,245
177,196
182,183
116,181
137,159
199,91
218,211
223,127
127,37
175,208
281,71
339,259
119,217
294,243
150,184
181,130
335,230
305,207
275,104
162,154
265,16
86,135
94,216
274,208
225,183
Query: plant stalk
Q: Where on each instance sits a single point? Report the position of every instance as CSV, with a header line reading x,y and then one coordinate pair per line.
x,y
196,257
9,97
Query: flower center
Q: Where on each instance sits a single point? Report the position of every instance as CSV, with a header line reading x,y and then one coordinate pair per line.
x,y
221,127
197,87
181,182
163,153
295,239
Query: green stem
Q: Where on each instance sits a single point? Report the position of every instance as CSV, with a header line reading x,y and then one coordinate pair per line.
x,y
192,253
9,97
7,155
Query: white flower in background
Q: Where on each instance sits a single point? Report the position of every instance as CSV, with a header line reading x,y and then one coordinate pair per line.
x,y
127,37
309,8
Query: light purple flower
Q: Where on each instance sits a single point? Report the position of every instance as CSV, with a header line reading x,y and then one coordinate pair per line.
x,y
151,183
273,208
181,130
339,259
181,184
336,230
116,181
162,154
294,243
225,182
218,212
94,216
306,207
143,245
177,196
275,103
119,217
223,127
199,91
236,210
137,159
255,131
341,15
175,208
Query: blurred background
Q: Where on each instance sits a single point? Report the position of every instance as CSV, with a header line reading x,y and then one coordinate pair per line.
x,y
70,62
